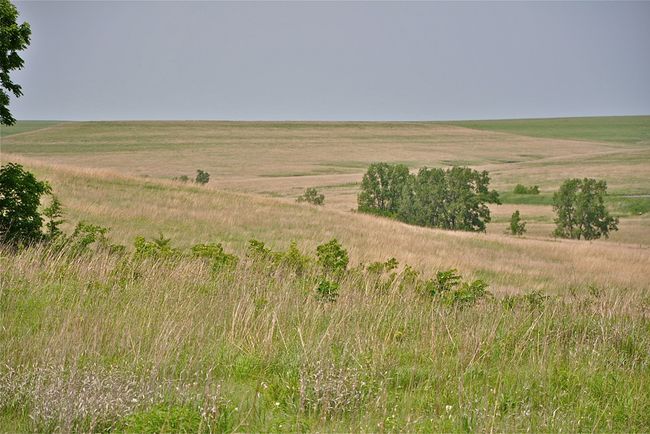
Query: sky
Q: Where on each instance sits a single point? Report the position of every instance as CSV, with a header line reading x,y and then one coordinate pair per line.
x,y
93,60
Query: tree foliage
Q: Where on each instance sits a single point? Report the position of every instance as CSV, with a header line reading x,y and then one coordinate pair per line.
x,y
202,177
454,198
20,197
517,225
382,187
311,196
14,37
580,209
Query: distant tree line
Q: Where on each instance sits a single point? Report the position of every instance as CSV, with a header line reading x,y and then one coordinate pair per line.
x,y
453,198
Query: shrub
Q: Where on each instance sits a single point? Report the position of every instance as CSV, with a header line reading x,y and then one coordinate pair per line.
x,y
20,197
158,247
517,226
183,178
581,212
522,189
327,290
293,258
311,196
467,294
332,256
202,177
216,254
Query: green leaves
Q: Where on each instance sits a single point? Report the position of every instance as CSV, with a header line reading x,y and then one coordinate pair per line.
x,y
455,198
20,197
14,37
581,211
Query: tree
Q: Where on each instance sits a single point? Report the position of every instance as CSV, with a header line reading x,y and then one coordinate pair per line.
x,y
517,226
202,177
14,37
54,213
455,198
382,187
20,197
311,196
581,211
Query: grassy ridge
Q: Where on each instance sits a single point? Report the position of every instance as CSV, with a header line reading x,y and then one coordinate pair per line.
x,y
169,345
616,129
25,126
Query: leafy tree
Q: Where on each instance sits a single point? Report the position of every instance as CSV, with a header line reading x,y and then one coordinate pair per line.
x,y
20,197
581,211
311,196
202,177
54,213
517,226
14,37
455,198
382,187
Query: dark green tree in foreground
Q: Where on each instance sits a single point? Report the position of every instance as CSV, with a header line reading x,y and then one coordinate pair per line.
x,y
581,211
14,37
20,197
517,225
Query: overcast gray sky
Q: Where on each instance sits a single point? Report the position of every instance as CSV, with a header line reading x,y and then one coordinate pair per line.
x,y
334,60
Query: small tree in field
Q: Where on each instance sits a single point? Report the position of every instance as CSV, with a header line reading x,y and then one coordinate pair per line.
x,y
312,196
581,211
517,226
20,197
202,177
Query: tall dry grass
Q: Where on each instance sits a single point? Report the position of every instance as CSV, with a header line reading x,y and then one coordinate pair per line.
x,y
378,358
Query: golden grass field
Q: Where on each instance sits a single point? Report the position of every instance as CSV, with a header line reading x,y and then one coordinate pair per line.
x,y
257,170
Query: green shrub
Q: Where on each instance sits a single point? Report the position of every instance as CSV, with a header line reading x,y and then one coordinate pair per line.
x,y
311,196
294,259
202,177
467,294
216,254
332,257
381,267
522,189
157,248
327,290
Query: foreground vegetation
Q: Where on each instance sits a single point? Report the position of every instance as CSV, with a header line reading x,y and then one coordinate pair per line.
x,y
155,342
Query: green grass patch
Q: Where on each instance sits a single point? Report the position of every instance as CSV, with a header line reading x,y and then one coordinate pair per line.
x,y
617,129
25,126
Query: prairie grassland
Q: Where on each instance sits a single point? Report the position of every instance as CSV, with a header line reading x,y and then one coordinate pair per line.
x,y
282,159
110,342
188,214
100,342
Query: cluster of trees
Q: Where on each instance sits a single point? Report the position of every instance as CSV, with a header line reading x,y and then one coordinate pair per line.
x,y
458,199
453,198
